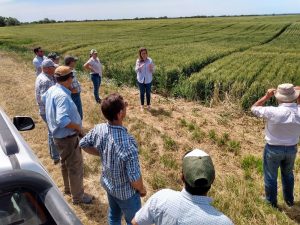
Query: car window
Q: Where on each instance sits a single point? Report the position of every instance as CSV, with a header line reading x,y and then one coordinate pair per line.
x,y
23,207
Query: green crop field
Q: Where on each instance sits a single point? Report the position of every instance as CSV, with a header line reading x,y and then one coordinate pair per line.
x,y
199,58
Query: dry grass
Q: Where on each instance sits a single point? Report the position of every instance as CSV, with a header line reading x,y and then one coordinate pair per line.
x,y
172,127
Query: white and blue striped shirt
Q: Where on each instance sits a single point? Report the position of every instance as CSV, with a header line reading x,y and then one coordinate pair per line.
x,y
168,207
119,157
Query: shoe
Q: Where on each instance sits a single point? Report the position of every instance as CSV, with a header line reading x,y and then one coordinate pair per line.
x,y
56,161
67,192
142,108
289,204
86,199
148,107
98,101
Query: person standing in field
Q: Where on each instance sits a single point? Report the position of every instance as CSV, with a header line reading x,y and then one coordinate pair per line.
x,y
95,67
65,124
76,87
144,68
38,59
43,82
191,206
54,57
282,131
121,176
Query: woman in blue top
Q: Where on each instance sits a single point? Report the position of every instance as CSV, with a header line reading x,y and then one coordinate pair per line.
x,y
144,68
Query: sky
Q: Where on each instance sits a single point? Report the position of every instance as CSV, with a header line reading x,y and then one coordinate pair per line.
x,y
33,10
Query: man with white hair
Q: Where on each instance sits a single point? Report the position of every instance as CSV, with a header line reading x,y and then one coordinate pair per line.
x,y
282,131
191,206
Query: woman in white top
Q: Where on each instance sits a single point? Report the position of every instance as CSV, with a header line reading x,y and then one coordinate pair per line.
x,y
144,68
95,68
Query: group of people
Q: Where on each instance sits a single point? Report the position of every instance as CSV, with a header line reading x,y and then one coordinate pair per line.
x,y
58,97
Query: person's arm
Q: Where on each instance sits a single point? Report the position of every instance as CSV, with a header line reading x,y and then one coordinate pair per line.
x,y
139,186
87,66
134,222
74,126
91,150
260,102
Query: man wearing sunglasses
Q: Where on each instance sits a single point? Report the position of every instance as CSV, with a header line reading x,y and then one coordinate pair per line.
x,y
38,59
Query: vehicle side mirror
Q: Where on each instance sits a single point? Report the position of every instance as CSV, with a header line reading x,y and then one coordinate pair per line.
x,y
23,123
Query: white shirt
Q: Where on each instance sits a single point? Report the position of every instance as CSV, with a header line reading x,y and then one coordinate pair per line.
x,y
283,123
96,65
143,73
168,207
37,62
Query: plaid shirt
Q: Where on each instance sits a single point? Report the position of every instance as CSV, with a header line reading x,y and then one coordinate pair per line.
x,y
75,83
42,83
119,155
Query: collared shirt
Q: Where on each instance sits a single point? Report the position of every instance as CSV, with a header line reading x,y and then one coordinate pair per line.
x,y
283,123
75,83
42,83
119,158
37,62
96,65
143,75
60,111
168,207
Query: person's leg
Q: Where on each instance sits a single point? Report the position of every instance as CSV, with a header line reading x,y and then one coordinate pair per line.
x,y
72,157
95,78
52,148
287,175
77,100
272,158
142,93
130,206
114,211
148,93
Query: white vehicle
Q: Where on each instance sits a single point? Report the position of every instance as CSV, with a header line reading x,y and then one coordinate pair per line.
x,y
28,195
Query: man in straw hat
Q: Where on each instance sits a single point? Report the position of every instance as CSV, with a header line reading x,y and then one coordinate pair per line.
x,y
282,132
191,206
65,124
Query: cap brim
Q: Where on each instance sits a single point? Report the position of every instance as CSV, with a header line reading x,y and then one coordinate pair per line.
x,y
287,98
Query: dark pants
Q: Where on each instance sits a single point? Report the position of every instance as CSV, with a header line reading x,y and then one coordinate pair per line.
x,y
96,79
282,157
77,100
145,88
71,165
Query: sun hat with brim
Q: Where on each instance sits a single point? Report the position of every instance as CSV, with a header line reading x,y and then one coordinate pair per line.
x,y
93,51
62,71
68,59
48,63
286,93
198,169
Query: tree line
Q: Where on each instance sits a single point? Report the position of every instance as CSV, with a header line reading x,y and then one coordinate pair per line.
x,y
8,21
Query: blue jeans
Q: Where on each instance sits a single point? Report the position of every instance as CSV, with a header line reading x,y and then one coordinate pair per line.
x,y
77,100
52,148
96,82
145,88
283,157
116,207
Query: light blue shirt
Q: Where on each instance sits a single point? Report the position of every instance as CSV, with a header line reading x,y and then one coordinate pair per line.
x,y
168,207
37,62
143,74
60,111
119,158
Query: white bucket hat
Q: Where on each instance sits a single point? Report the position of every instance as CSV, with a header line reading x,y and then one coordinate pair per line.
x,y
286,93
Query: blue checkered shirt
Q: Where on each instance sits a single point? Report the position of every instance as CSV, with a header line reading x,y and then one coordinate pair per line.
x,y
168,207
42,83
75,83
119,155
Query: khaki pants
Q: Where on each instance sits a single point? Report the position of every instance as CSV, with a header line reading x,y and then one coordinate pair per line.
x,y
71,165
